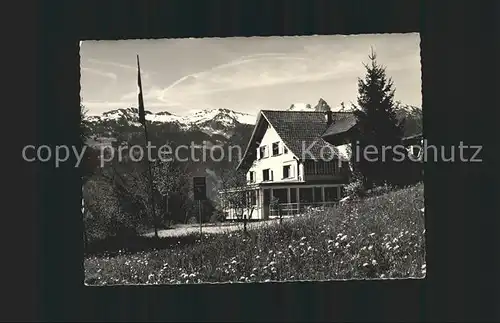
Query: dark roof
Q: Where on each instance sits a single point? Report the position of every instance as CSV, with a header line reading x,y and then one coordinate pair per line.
x,y
343,121
299,130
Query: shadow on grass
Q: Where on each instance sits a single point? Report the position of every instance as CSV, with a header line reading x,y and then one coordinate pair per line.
x,y
133,244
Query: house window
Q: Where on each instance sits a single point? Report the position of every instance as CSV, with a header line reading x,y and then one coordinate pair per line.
x,y
251,177
285,150
267,175
293,195
286,171
331,166
306,195
320,167
276,148
331,194
252,197
263,151
280,194
317,195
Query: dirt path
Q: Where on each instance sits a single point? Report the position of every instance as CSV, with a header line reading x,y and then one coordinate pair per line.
x,y
222,228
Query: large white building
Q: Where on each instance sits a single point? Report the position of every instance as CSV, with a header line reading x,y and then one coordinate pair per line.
x,y
297,159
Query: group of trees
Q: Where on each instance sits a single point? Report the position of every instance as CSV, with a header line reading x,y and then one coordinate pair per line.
x,y
117,194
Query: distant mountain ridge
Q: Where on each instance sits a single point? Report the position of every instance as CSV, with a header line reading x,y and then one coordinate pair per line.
x,y
217,126
212,121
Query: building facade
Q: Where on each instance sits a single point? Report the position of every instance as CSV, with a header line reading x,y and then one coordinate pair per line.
x,y
289,166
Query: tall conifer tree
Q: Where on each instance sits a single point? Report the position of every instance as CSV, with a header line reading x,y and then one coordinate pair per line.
x,y
378,126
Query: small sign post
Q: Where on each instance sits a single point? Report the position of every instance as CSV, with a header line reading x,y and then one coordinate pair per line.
x,y
200,194
200,188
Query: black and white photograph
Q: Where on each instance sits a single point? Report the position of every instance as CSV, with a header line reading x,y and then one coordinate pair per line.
x,y
252,159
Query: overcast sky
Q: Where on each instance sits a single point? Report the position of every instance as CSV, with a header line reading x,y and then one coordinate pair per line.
x,y
243,74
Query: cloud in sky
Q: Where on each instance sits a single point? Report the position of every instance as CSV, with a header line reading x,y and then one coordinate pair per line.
x,y
99,72
238,74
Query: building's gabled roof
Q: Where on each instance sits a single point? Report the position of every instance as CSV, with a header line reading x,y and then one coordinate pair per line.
x,y
343,121
299,130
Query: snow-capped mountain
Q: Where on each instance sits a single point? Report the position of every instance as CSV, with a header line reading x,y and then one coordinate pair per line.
x,y
300,107
213,121
218,121
320,106
221,122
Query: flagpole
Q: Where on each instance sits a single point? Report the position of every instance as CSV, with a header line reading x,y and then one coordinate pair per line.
x,y
151,185
142,119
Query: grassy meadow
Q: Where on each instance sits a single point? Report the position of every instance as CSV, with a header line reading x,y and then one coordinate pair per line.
x,y
375,237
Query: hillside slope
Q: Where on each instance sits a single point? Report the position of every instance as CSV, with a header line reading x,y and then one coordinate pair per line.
x,y
380,237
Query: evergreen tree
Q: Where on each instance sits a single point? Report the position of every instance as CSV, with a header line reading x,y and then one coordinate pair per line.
x,y
378,126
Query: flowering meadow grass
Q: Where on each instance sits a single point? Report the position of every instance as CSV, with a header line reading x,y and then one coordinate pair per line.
x,y
378,237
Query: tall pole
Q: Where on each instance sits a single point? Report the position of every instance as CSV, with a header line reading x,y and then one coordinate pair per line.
x,y
142,120
151,185
201,235
201,220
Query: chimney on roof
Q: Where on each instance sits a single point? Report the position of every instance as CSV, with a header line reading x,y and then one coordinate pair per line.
x,y
328,116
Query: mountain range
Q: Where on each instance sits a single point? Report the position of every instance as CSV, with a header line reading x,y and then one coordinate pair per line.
x,y
212,122
222,127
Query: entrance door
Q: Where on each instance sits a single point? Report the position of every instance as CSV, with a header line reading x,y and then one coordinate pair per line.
x,y
266,202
